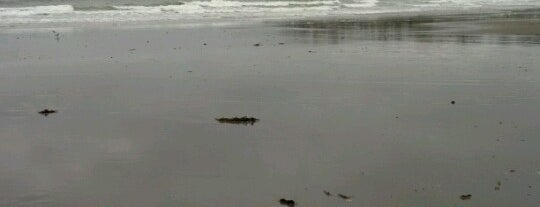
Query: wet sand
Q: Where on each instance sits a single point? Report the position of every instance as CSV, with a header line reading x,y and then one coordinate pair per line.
x,y
351,106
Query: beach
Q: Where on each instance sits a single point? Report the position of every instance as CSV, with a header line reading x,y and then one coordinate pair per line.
x,y
391,110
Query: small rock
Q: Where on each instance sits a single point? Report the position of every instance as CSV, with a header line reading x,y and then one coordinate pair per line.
x,y
453,102
327,193
257,45
46,112
465,197
238,120
344,197
286,202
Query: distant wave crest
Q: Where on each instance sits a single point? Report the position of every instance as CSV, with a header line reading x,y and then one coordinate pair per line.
x,y
36,10
242,9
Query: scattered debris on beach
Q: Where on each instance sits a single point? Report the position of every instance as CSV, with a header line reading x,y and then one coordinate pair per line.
x,y
132,49
238,120
327,193
465,197
286,202
56,35
46,112
498,186
339,195
344,197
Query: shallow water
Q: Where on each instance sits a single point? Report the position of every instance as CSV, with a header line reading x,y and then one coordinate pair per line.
x,y
359,115
23,12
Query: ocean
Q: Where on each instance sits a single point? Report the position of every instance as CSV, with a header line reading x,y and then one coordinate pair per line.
x,y
80,11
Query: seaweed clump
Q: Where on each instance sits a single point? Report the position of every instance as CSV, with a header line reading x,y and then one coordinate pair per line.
x,y
465,197
238,120
46,112
286,202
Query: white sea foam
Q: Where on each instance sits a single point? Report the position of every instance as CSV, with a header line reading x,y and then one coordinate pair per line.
x,y
224,3
239,9
36,10
185,9
362,4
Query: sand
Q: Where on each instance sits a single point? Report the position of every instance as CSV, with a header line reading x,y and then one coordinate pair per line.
x,y
360,107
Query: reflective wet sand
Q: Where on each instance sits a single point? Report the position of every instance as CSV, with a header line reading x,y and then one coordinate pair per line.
x,y
357,107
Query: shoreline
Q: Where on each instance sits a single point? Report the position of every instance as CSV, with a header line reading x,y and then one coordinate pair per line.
x,y
447,15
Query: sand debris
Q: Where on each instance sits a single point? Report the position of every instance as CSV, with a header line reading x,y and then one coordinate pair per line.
x,y
238,120
56,35
498,186
465,197
344,197
339,195
286,202
46,112
327,193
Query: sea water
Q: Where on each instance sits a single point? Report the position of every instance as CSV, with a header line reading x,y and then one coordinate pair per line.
x,y
75,11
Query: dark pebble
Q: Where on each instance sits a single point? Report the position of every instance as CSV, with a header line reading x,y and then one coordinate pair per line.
x,y
46,112
344,197
238,120
286,202
465,197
